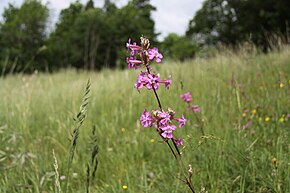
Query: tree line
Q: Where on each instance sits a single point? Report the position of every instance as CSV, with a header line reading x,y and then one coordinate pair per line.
x,y
230,22
90,37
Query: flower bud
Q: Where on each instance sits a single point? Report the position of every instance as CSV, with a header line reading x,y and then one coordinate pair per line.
x,y
145,43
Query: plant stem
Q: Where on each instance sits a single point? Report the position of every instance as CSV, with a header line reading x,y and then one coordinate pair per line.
x,y
178,159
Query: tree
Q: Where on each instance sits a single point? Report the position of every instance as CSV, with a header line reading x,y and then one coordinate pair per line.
x,y
233,21
65,43
23,34
179,47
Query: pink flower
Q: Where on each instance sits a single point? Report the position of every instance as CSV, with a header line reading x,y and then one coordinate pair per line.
x,y
133,63
149,81
166,82
146,119
140,81
153,53
167,131
164,118
247,125
178,142
153,81
194,108
134,47
181,121
167,134
186,97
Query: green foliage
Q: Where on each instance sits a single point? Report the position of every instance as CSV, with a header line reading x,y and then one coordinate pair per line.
x,y
92,38
232,22
178,47
22,37
85,37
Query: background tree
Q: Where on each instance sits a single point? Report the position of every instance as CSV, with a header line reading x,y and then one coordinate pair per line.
x,y
64,44
92,38
23,34
234,21
179,47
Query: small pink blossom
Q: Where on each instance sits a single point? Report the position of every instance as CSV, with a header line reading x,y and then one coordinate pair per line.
x,y
134,47
247,125
167,134
149,81
146,119
140,81
153,53
164,118
194,108
186,97
133,62
166,82
181,121
178,142
167,131
153,81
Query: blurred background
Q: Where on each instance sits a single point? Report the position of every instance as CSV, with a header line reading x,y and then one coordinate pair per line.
x,y
51,35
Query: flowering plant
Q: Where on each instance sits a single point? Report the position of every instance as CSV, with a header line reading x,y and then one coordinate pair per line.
x,y
163,120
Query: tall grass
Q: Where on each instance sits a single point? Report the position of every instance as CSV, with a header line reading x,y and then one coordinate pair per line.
x,y
36,117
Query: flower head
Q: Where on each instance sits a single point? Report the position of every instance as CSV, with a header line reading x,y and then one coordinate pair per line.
x,y
146,119
178,141
167,131
133,47
164,118
186,97
153,53
133,62
194,108
181,121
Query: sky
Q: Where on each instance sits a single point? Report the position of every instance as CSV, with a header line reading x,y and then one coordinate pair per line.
x,y
171,16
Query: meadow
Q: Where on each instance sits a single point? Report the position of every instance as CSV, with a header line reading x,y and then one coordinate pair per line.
x,y
245,115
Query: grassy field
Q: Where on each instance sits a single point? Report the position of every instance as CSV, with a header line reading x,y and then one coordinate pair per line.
x,y
245,102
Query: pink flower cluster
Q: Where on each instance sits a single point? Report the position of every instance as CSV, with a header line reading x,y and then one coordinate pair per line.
x,y
145,79
150,80
163,122
186,97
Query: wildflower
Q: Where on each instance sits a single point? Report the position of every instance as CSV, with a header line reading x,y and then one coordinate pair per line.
x,y
133,62
133,47
281,85
194,108
152,140
125,187
282,119
244,114
247,125
267,119
153,81
178,141
186,97
153,53
260,118
166,82
165,118
181,121
254,111
146,119
150,81
123,129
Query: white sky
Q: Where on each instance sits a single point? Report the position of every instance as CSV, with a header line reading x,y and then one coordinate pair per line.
x,y
170,16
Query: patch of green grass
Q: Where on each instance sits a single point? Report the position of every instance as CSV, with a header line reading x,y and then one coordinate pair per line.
x,y
37,116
